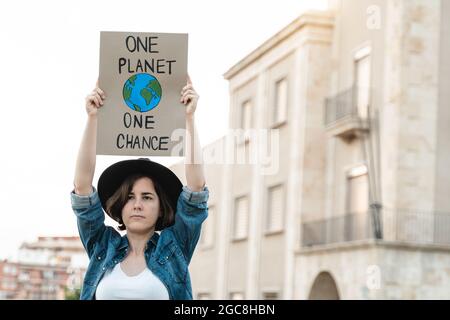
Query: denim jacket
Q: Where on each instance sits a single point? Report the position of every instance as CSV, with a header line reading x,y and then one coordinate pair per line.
x,y
167,254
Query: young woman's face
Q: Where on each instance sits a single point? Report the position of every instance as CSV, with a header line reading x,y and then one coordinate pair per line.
x,y
141,211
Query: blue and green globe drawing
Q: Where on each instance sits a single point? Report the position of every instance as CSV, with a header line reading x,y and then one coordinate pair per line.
x,y
142,92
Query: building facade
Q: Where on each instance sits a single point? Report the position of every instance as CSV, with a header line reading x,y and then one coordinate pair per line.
x,y
352,202
47,269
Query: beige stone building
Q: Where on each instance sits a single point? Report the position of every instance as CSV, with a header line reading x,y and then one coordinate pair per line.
x,y
354,200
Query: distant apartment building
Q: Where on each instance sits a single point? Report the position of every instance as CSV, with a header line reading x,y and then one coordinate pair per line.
x,y
45,269
8,279
63,251
359,205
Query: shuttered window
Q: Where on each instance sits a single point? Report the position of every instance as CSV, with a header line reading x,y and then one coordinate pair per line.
x,y
270,295
275,214
236,296
281,101
204,296
207,235
241,217
246,115
362,81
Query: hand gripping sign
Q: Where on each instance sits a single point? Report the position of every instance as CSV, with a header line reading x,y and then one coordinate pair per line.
x,y
142,75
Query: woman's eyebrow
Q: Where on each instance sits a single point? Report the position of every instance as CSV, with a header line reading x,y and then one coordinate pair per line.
x,y
142,193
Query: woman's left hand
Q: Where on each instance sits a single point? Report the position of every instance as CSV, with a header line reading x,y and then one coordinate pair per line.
x,y
189,97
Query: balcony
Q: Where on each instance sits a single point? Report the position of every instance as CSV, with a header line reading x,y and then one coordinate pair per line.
x,y
401,226
346,113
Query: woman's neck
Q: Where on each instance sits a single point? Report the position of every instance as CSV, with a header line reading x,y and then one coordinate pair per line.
x,y
138,242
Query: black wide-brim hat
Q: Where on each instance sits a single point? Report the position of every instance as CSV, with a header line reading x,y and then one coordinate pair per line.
x,y
113,177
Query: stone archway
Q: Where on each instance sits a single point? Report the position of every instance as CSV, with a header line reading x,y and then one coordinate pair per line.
x,y
324,288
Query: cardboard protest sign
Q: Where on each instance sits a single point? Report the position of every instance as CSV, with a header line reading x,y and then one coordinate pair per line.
x,y
142,75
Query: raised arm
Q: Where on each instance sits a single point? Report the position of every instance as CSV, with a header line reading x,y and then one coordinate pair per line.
x,y
195,177
85,166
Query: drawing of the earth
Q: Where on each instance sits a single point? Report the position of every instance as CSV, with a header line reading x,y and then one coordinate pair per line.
x,y
142,92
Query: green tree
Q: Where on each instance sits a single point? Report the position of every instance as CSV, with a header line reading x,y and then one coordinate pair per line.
x,y
72,294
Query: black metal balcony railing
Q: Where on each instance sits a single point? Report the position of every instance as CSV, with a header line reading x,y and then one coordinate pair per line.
x,y
344,105
396,225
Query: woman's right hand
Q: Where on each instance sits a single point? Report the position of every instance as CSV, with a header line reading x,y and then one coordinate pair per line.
x,y
94,101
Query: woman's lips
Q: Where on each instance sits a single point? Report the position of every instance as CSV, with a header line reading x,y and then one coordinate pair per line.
x,y
137,217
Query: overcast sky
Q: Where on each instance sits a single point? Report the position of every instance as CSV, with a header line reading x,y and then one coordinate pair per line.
x,y
49,63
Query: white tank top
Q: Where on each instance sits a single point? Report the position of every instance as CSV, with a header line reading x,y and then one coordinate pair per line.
x,y
116,285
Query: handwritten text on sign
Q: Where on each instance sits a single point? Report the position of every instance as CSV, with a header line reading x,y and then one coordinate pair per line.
x,y
142,75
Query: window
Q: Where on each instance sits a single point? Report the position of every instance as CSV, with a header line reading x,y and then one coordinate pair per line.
x,y
281,101
246,115
204,296
275,211
6,284
236,296
246,121
241,218
10,269
24,276
207,235
270,295
357,222
362,82
358,190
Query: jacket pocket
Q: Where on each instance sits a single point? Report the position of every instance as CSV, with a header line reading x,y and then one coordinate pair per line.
x,y
173,262
96,263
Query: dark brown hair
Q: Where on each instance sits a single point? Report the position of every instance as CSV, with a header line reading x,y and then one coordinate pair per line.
x,y
117,201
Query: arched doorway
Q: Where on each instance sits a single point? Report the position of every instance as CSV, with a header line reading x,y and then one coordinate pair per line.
x,y
324,288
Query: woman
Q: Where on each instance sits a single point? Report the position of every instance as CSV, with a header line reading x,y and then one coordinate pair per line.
x,y
143,197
